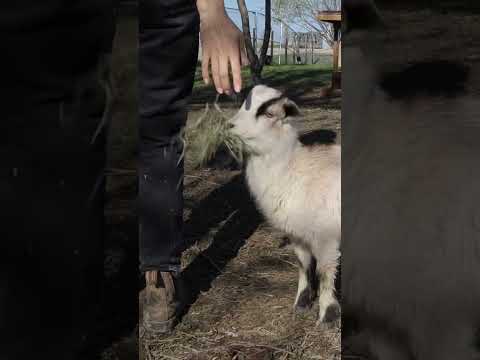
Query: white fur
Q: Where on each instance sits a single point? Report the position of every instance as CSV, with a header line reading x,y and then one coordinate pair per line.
x,y
297,187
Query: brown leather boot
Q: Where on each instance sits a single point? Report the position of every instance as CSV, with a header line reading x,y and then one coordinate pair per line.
x,y
162,302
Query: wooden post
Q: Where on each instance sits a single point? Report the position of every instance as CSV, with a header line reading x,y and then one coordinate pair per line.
x,y
305,44
336,28
271,45
255,40
312,41
286,48
280,44
336,74
294,53
334,18
340,55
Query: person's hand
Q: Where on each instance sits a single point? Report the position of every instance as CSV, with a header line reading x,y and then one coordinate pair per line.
x,y
222,47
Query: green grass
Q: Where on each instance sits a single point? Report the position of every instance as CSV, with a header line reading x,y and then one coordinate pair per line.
x,y
318,59
299,79
274,73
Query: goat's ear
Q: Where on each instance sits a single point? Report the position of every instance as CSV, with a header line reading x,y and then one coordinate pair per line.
x,y
291,109
278,109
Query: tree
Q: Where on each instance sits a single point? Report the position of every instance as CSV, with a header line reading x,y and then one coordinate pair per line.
x,y
256,63
304,13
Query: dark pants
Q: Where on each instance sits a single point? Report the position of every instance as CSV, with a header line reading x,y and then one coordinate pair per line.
x,y
52,184
167,59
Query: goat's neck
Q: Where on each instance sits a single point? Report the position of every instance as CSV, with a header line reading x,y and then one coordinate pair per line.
x,y
277,159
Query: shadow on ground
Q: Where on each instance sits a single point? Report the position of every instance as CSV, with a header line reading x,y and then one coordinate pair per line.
x,y
296,84
231,204
320,136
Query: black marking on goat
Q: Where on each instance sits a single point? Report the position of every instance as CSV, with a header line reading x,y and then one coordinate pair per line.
x,y
264,107
289,107
308,295
305,300
248,98
332,313
431,78
284,241
312,276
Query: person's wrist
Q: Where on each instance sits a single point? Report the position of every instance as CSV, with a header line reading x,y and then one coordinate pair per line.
x,y
210,9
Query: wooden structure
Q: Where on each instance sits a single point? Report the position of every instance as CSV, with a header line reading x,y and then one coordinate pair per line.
x,y
334,18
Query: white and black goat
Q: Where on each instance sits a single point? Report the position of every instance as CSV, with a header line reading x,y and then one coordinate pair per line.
x,y
297,188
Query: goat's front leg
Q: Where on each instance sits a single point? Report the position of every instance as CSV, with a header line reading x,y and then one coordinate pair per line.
x,y
329,308
306,279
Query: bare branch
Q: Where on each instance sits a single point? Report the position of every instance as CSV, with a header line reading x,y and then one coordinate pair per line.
x,y
252,56
256,64
267,32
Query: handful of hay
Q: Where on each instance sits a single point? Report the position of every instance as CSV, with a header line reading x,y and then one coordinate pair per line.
x,y
209,134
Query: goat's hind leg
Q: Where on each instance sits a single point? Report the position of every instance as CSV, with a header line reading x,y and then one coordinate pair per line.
x,y
329,308
307,279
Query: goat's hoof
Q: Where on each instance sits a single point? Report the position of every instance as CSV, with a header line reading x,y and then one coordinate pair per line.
x,y
304,302
284,241
299,310
331,317
332,313
322,325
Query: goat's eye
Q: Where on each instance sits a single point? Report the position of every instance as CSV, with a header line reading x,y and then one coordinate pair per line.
x,y
269,114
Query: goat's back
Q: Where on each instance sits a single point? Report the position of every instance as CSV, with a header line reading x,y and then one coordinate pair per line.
x,y
301,196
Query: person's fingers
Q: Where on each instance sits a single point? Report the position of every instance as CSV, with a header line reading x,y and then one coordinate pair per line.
x,y
205,65
216,74
224,76
236,72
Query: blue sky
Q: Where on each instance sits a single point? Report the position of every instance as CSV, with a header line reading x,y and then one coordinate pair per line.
x,y
256,5
251,4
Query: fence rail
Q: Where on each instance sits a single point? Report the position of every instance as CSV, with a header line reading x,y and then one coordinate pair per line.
x,y
287,46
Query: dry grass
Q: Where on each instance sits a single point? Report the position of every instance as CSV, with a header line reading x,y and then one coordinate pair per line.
x,y
247,314
209,134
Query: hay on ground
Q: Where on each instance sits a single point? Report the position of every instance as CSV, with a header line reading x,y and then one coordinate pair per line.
x,y
209,134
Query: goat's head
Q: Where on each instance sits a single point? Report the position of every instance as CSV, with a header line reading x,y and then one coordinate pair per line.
x,y
262,121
